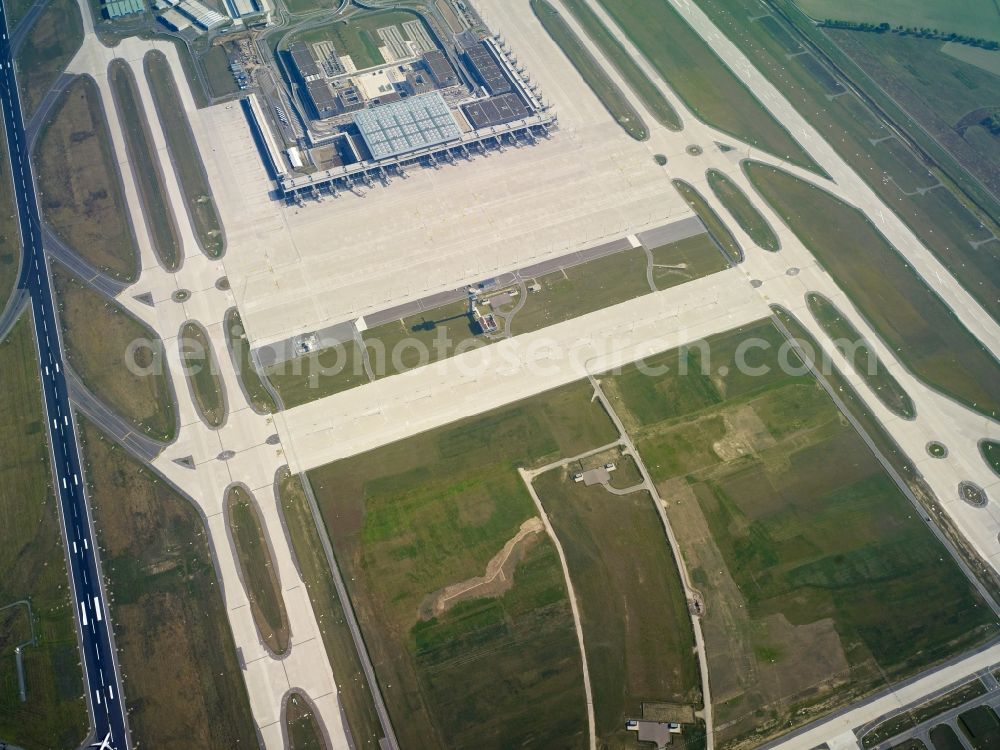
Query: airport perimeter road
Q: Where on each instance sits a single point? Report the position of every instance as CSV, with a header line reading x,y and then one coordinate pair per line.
x,y
100,670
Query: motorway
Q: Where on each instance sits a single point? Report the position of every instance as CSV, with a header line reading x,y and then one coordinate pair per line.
x,y
98,656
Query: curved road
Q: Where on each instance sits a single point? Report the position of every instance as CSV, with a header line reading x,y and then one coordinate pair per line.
x,y
104,699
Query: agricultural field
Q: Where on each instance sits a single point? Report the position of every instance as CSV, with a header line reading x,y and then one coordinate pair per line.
x,y
10,238
145,164
201,369
48,47
636,625
900,306
707,86
713,223
103,356
357,35
950,227
849,342
355,694
81,194
973,18
184,155
257,571
615,53
748,217
497,668
590,70
949,98
815,568
182,681
239,348
33,566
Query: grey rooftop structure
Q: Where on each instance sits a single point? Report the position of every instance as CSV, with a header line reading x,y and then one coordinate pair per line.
x,y
407,125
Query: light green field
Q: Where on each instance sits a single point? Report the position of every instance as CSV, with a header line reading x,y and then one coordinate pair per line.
x,y
591,71
706,85
10,238
33,566
239,348
748,217
815,568
905,312
712,221
184,154
616,54
48,46
413,517
157,210
975,18
867,364
317,374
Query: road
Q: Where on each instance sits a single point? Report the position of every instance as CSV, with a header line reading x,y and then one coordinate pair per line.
x,y
96,640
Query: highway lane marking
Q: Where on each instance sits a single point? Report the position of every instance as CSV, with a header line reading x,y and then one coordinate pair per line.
x,y
74,548
85,544
83,614
64,482
85,582
111,692
96,693
97,609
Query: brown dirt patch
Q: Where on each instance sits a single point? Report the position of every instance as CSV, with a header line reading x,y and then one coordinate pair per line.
x,y
498,579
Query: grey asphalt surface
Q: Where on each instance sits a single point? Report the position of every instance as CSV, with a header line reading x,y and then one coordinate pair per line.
x,y
97,650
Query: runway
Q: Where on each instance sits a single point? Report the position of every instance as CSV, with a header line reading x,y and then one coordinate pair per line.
x,y
96,641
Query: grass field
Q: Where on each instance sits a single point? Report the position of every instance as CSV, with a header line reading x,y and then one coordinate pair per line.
x,y
616,54
943,737
32,566
687,259
80,187
706,85
413,517
636,626
991,454
317,374
102,342
202,373
815,568
591,71
303,730
924,712
357,35
942,221
355,693
10,239
48,47
712,221
239,348
217,74
867,364
259,577
911,318
973,18
184,155
183,684
748,217
145,166
15,11
981,727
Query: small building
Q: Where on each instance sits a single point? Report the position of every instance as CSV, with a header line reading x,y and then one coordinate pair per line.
x,y
304,62
349,99
440,69
322,98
